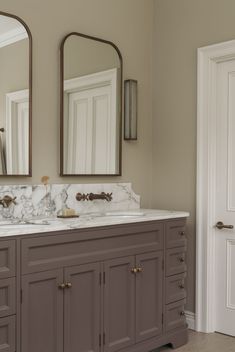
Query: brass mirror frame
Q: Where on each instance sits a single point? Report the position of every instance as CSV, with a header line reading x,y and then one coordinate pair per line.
x,y
30,92
62,104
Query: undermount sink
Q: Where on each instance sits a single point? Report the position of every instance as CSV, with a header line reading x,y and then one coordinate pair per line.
x,y
122,214
9,225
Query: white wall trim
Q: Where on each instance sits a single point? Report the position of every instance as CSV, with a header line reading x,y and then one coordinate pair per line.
x,y
13,36
208,57
190,319
93,80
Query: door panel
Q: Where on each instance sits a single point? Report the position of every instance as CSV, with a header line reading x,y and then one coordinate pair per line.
x,y
82,308
225,199
119,304
7,334
149,285
42,312
7,297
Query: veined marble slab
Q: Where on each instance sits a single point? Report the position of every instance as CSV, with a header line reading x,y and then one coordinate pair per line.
x,y
91,220
38,200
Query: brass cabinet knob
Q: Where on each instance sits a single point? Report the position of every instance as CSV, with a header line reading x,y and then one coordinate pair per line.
x,y
68,285
139,270
62,286
134,270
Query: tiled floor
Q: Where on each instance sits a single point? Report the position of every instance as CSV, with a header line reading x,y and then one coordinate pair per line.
x,y
199,342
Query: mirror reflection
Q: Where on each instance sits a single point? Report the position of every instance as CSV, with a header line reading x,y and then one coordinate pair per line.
x,y
14,97
91,100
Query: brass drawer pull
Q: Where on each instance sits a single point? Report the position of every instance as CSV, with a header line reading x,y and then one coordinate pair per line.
x,y
182,314
182,260
61,286
181,286
134,270
68,285
182,233
139,270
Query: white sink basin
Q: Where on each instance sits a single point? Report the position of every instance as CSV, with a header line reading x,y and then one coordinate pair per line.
x,y
123,214
10,225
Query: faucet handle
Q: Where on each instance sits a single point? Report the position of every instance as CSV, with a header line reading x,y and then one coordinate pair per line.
x,y
6,201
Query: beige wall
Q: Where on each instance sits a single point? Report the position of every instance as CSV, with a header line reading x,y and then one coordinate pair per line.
x,y
83,56
129,24
181,26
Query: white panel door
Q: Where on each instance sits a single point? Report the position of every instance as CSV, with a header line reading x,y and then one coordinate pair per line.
x,y
225,199
91,132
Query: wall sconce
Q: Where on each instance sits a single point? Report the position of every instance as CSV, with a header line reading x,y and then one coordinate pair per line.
x,y
130,109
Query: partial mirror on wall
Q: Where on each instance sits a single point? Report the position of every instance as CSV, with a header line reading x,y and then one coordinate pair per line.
x,y
15,96
91,101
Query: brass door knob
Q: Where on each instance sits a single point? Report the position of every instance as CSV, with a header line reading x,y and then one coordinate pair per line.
x,y
68,285
220,225
62,286
134,270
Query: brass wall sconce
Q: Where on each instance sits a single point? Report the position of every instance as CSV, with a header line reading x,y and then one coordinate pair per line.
x,y
130,109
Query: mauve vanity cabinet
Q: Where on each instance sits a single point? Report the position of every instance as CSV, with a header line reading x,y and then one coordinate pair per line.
x,y
104,289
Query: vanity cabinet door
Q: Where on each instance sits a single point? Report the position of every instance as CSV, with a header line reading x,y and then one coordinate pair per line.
x,y
42,312
149,284
82,308
119,304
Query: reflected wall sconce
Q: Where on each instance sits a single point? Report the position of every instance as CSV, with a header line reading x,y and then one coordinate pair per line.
x,y
130,109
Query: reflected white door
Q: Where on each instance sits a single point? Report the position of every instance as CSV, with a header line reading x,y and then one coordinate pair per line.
x,y
225,199
91,131
17,132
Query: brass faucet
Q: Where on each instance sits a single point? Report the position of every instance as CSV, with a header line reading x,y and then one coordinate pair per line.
x,y
6,201
93,196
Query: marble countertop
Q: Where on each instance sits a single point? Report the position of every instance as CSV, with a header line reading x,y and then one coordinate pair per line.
x,y
42,225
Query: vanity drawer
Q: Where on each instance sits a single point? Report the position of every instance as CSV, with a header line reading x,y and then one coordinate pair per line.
x,y
175,288
7,334
7,259
175,261
176,234
7,297
175,315
51,252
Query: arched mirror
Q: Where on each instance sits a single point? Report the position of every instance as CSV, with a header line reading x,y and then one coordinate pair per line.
x,y
91,105
15,96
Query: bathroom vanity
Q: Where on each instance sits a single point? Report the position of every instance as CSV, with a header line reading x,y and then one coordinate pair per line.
x,y
108,285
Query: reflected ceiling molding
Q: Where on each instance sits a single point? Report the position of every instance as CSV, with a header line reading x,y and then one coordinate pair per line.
x,y
13,36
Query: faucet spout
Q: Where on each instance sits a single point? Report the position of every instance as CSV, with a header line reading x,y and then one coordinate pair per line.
x,y
93,196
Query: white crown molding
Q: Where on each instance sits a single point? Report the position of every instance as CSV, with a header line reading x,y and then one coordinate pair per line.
x,y
13,36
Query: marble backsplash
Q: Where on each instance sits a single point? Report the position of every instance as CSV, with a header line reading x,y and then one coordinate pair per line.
x,y
39,200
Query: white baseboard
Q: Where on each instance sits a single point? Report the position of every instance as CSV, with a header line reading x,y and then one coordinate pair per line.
x,y
190,318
